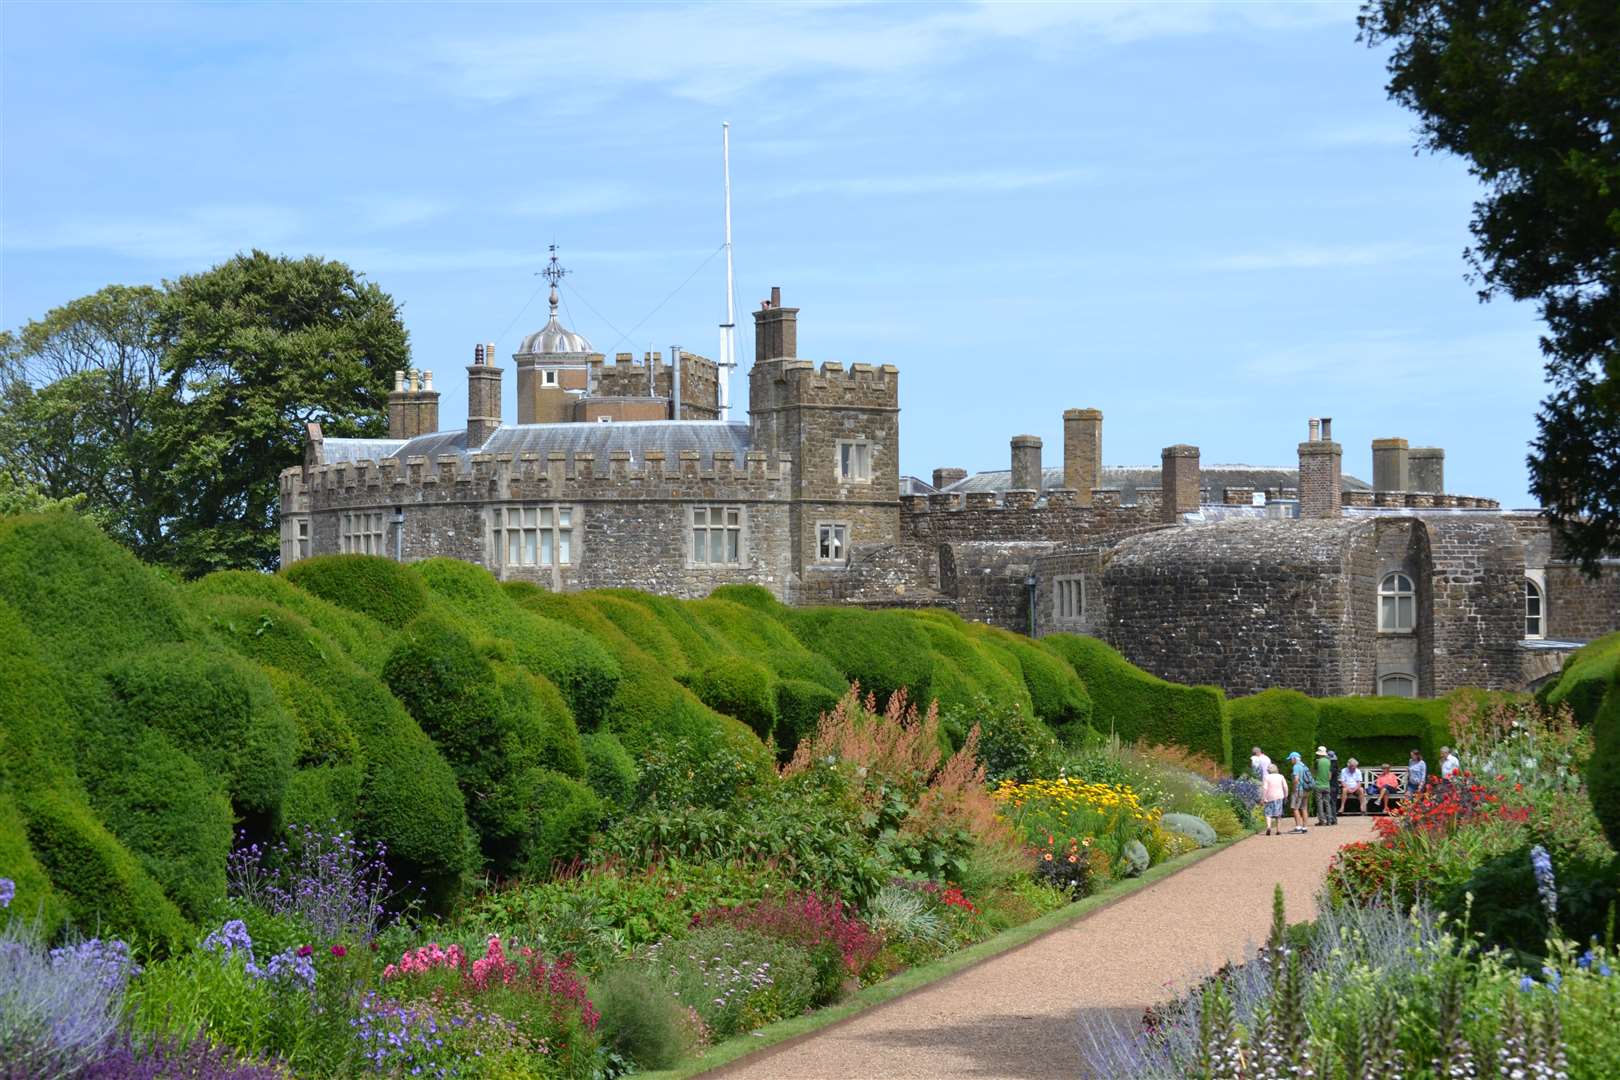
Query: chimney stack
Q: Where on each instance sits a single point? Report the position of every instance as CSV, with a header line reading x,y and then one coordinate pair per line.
x,y
944,478
483,397
413,405
1082,452
1321,477
776,329
1026,463
1179,481
1390,465
1426,469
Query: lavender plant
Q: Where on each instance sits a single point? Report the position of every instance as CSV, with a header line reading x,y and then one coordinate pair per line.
x,y
329,880
58,1007
129,1058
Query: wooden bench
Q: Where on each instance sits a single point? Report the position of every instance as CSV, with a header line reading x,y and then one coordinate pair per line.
x,y
1370,776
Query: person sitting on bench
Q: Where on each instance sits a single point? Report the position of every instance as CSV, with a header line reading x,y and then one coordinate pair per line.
x,y
1387,786
1352,783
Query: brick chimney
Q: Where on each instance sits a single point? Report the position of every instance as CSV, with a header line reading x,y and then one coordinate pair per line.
x,y
1179,481
1082,452
1026,463
1390,465
944,478
483,397
1321,463
1426,469
413,405
776,329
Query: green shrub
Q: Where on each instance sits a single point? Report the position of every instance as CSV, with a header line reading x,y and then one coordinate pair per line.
x,y
82,595
966,673
220,710
103,886
884,651
610,771
800,663
1588,673
1059,697
574,661
36,732
1191,825
740,688
663,627
800,704
641,1019
1277,721
566,816
755,596
1012,744
1377,729
363,638
370,584
409,798
34,898
1144,708
1603,768
700,969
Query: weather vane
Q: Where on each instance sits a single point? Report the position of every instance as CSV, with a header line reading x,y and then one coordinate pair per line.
x,y
553,272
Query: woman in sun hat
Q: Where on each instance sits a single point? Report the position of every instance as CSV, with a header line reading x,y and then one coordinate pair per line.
x,y
1299,800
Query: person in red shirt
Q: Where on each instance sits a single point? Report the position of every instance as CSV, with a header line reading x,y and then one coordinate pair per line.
x,y
1386,786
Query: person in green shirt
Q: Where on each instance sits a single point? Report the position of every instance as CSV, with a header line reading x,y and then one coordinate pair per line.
x,y
1325,814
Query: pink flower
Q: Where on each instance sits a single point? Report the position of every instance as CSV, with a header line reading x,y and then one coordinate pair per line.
x,y
339,950
305,950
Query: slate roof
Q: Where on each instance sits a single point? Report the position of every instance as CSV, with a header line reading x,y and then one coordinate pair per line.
x,y
635,436
1216,478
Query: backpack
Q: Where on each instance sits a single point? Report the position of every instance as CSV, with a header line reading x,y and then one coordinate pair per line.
x,y
1305,780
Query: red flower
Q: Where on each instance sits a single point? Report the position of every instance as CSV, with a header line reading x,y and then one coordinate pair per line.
x,y
338,950
305,950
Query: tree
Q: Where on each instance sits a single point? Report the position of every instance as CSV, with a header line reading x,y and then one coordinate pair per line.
x,y
81,392
254,349
1529,92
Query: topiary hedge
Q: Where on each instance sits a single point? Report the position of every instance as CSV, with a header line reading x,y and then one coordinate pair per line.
x,y
740,688
363,638
884,651
34,900
1277,721
1142,707
370,584
1588,673
610,771
1374,730
1603,767
800,704
966,673
1056,691
567,815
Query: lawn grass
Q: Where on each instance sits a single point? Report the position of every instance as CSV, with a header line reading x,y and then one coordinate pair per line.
x,y
802,1027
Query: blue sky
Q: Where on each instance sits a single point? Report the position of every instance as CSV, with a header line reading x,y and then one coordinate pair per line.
x,y
1204,219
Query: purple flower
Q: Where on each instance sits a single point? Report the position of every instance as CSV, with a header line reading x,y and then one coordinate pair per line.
x,y
306,950
339,950
8,889
1541,863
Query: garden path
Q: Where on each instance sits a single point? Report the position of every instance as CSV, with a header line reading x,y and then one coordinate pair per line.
x,y
1015,1016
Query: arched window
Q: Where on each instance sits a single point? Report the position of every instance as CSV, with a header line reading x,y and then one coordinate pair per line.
x,y
1534,609
1397,686
1397,605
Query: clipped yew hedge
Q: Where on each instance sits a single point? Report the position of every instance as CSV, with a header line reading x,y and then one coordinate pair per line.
x,y
1585,679
1374,730
1603,768
884,651
370,584
1277,721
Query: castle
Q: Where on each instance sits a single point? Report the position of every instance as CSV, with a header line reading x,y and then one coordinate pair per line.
x,y
628,475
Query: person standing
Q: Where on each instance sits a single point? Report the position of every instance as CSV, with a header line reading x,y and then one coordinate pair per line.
x,y
1302,781
1449,765
1417,774
1259,764
1324,788
1352,782
1273,792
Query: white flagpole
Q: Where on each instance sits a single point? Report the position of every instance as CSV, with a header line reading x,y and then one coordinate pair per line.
x,y
728,355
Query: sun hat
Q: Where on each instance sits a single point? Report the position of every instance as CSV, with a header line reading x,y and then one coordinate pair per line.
x,y
1321,751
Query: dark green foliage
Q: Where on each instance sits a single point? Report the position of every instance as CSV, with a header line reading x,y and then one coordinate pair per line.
x,y
409,799
566,814
363,638
799,707
577,663
740,688
754,596
641,1019
552,739
1379,729
1277,721
1603,768
1502,904
1012,744
370,584
35,899
1140,707
1586,678
966,672
35,727
1059,697
84,597
802,664
610,771
220,710
884,651
489,729
103,885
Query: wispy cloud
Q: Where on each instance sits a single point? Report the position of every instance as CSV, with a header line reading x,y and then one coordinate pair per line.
x,y
981,180
1406,361
1323,257
207,232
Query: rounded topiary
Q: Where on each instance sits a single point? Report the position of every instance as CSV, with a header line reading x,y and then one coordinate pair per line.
x,y
356,633
740,688
884,651
370,584
1134,856
566,815
218,708
610,771
800,705
755,596
1192,826
1603,767
1277,721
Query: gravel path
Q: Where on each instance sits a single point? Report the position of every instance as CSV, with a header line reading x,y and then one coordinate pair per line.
x,y
1014,1016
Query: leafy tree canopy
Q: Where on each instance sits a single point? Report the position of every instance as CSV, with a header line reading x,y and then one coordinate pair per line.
x,y
1529,92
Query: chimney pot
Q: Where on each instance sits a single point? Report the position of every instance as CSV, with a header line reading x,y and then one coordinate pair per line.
x,y
776,296
399,381
1327,429
1315,430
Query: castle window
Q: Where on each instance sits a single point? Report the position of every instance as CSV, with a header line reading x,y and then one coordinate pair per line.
x,y
534,535
855,462
1397,605
303,539
717,535
361,533
1397,686
831,540
1534,609
548,378
1068,598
